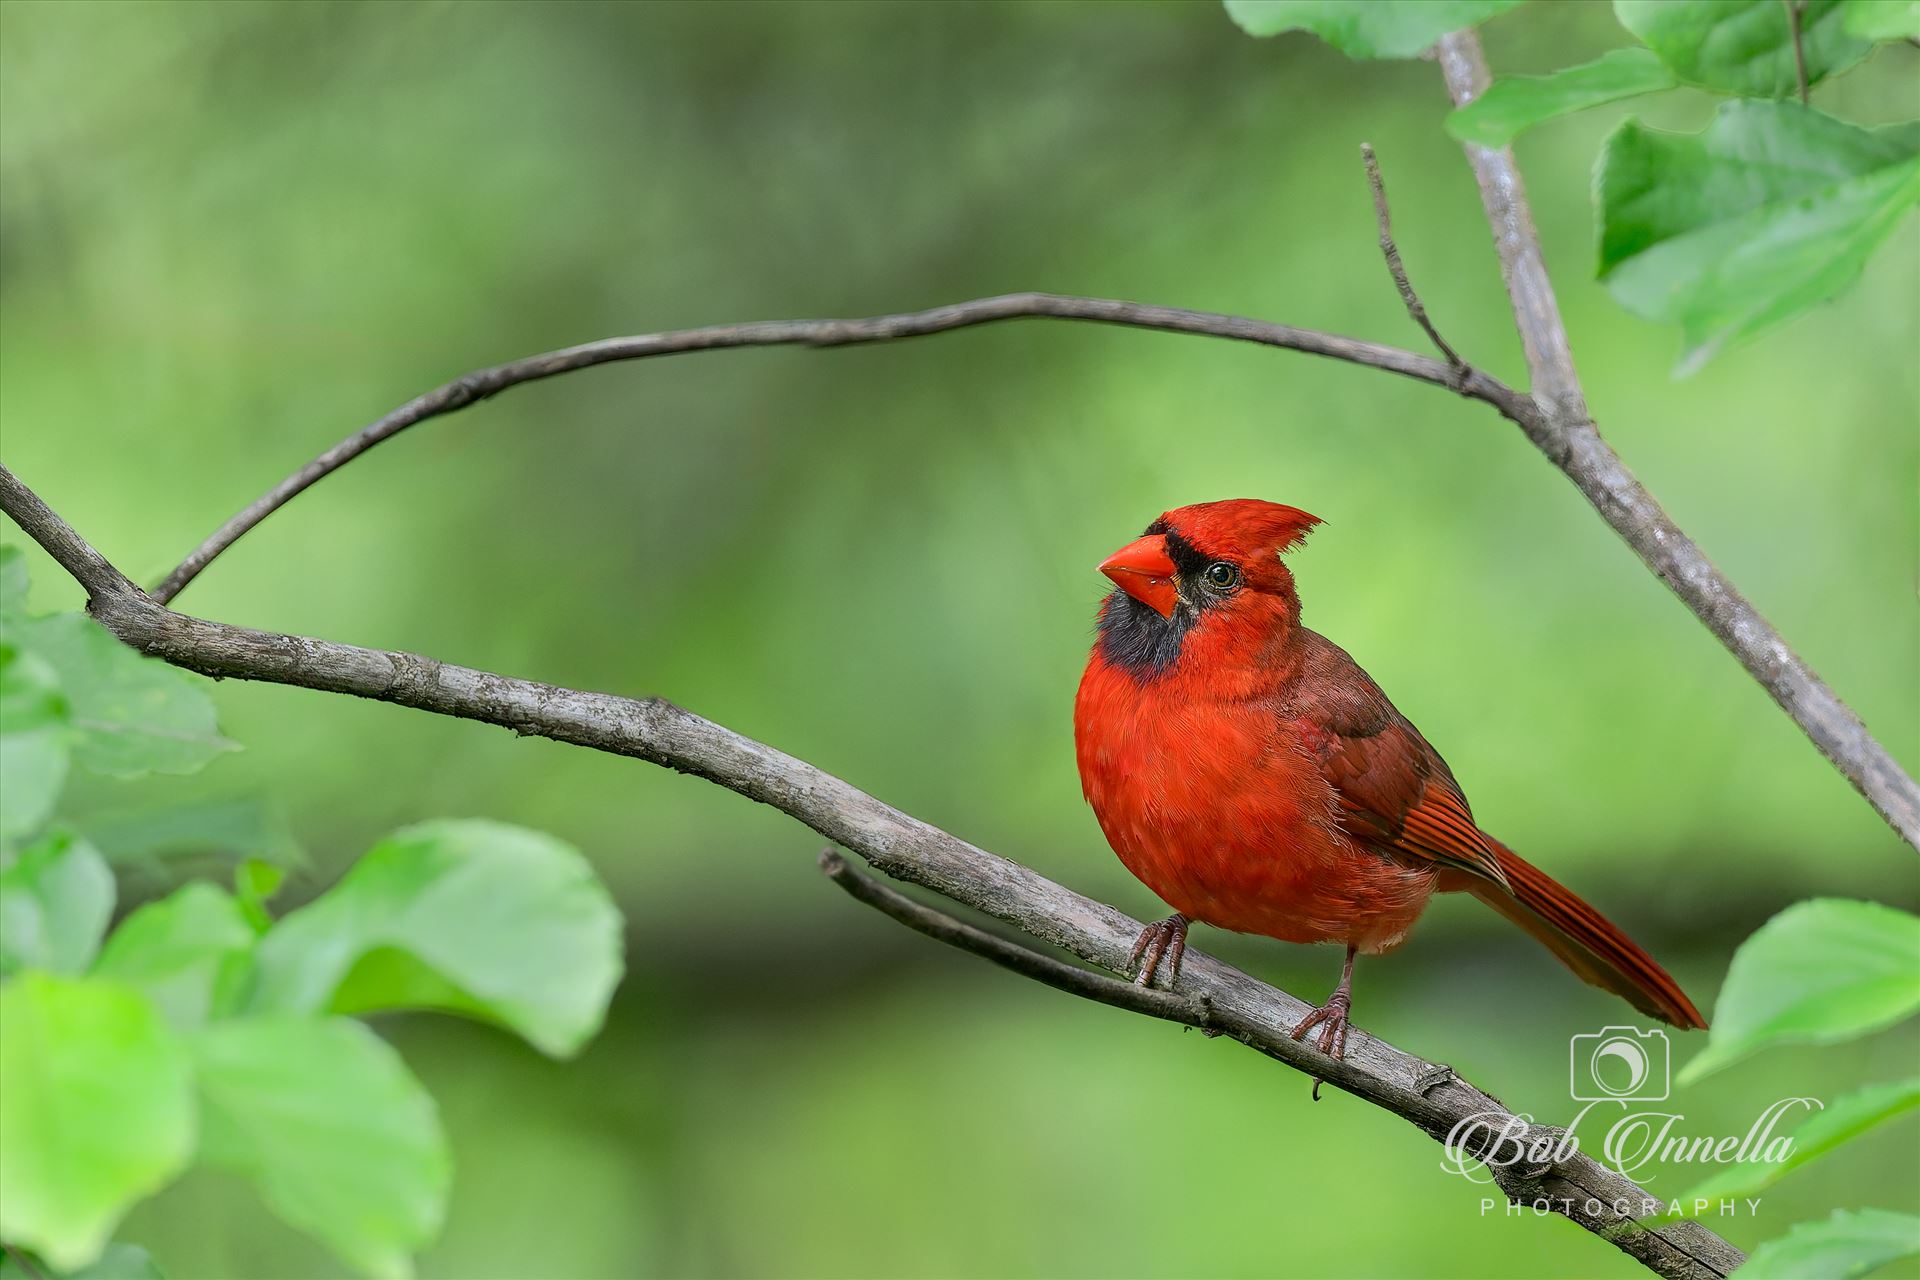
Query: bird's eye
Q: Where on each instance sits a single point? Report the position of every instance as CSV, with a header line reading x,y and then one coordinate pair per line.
x,y
1222,576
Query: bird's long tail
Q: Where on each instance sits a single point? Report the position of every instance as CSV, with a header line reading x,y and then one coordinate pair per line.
x,y
1586,941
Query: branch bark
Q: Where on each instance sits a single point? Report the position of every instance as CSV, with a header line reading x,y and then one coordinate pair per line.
x,y
1427,1095
1565,432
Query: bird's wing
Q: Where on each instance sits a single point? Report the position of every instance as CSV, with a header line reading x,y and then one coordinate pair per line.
x,y
1397,796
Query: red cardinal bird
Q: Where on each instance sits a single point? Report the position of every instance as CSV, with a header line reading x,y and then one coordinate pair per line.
x,y
1251,774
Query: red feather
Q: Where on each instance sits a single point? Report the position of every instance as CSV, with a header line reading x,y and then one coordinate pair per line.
x,y
1251,774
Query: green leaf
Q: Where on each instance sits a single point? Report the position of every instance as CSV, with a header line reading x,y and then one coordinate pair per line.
x,y
97,1112
342,1141
1729,232
190,953
500,923
1843,1119
1819,972
55,902
13,580
1513,104
1366,28
1744,46
136,715
118,1262
1847,1245
35,733
254,882
1881,19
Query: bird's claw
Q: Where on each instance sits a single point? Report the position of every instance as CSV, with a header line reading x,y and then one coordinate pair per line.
x,y
1331,1018
1164,940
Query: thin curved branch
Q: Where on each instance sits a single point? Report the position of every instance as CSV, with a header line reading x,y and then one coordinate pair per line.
x,y
1565,432
482,383
1427,1095
1554,418
1025,961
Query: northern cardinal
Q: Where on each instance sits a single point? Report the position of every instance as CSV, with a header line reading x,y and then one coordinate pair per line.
x,y
1253,776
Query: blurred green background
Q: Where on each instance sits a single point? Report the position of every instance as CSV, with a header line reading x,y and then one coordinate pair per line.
x,y
234,232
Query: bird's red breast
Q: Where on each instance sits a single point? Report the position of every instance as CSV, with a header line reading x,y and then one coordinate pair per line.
x,y
1193,750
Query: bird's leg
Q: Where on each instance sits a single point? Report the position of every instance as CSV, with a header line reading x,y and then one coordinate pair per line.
x,y
1164,940
1331,1017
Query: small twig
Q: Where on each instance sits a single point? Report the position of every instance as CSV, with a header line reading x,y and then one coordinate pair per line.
x,y
1025,961
1392,251
1799,47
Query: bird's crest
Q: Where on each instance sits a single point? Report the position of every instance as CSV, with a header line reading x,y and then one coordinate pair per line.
x,y
1239,527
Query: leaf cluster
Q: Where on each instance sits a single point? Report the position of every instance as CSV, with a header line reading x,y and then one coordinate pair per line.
x,y
1772,209
204,1032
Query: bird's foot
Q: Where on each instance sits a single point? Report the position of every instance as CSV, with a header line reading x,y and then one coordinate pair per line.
x,y
1331,1018
1164,940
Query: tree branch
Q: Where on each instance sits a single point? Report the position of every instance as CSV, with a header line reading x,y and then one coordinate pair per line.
x,y
56,537
482,383
1565,432
1426,1095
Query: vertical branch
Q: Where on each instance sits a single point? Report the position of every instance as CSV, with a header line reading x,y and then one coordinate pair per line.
x,y
1536,310
1565,433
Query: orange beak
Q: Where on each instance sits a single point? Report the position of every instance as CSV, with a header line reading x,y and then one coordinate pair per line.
x,y
1144,571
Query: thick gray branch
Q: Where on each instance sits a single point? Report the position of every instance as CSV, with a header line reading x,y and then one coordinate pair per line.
x,y
1566,434
1426,1095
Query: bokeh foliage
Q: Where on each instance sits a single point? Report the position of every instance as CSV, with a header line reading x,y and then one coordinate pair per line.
x,y
234,232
